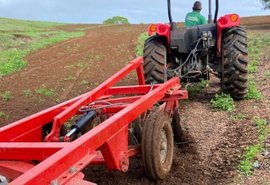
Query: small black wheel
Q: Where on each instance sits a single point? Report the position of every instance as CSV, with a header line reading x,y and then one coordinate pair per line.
x,y
155,59
176,124
234,80
157,145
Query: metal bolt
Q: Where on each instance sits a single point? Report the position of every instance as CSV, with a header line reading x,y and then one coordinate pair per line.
x,y
73,169
54,182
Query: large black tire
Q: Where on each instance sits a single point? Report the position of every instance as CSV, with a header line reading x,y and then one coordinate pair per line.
x,y
235,63
155,56
157,145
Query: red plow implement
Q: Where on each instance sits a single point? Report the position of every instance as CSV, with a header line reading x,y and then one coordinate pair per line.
x,y
53,146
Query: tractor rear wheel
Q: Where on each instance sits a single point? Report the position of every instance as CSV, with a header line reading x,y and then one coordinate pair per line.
x,y
234,79
155,57
157,145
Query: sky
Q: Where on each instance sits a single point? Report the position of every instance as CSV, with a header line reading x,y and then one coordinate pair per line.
x,y
137,11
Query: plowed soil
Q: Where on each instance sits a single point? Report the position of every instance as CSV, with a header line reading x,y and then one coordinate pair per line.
x,y
214,141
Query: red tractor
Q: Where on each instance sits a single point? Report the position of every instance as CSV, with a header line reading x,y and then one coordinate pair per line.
x,y
219,47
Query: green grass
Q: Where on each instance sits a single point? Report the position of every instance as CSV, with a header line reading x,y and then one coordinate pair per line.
x,y
6,96
19,38
45,91
253,93
249,157
140,44
223,102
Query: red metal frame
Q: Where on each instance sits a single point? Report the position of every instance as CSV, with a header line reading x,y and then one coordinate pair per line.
x,y
26,159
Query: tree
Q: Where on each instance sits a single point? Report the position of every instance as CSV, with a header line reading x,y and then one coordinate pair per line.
x,y
116,20
266,4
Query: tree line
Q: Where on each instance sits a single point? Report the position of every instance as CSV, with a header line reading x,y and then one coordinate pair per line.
x,y
266,4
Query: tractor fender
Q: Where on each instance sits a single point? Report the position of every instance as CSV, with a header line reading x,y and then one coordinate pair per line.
x,y
162,30
224,22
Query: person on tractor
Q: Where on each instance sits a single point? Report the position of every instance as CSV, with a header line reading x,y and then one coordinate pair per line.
x,y
195,18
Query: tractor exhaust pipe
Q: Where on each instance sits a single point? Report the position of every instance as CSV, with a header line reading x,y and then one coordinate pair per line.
x,y
216,13
210,19
169,11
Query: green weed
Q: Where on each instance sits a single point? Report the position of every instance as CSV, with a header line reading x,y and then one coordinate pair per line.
x,y
196,88
3,115
238,117
253,93
261,126
256,44
98,57
69,78
267,74
246,164
223,102
27,93
253,67
140,44
84,82
6,96
81,65
45,92
69,66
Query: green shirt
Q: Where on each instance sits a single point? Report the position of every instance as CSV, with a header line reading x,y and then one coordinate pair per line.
x,y
194,18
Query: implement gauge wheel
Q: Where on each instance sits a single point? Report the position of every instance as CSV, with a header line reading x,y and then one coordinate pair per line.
x,y
157,145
